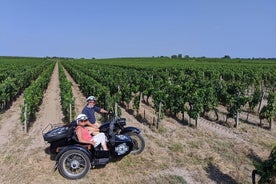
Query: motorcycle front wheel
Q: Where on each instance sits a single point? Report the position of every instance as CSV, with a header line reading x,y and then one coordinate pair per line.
x,y
74,164
138,143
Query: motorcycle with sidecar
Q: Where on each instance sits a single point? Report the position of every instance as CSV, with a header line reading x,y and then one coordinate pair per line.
x,y
75,159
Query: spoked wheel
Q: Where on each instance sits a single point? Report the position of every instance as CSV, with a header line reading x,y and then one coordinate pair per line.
x,y
138,142
74,164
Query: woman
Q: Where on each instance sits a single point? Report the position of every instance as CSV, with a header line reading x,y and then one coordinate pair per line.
x,y
85,137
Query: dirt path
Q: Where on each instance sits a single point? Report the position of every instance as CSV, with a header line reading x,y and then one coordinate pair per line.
x,y
24,160
202,123
10,121
50,111
79,98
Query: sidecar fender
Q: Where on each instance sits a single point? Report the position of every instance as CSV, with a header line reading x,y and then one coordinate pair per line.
x,y
83,148
131,129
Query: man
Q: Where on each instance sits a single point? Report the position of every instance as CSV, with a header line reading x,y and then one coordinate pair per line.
x,y
89,110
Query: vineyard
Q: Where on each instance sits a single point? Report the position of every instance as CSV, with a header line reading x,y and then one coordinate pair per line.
x,y
206,120
196,87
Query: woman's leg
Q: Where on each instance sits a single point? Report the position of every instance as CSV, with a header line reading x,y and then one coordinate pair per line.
x,y
100,138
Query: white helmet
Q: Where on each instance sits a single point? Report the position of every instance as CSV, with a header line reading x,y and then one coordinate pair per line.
x,y
81,117
90,98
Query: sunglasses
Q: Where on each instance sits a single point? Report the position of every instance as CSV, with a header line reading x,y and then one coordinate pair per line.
x,y
83,120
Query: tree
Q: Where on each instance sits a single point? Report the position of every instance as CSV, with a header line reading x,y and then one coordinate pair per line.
x,y
226,57
174,56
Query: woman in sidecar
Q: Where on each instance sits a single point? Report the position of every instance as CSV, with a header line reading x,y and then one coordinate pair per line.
x,y
85,137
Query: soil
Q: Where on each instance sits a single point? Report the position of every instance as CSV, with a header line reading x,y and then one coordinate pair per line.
x,y
174,153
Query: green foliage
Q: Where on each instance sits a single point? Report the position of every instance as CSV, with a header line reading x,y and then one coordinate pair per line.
x,y
136,102
196,103
210,100
16,75
233,96
200,83
89,86
269,110
66,95
255,99
33,95
267,168
159,96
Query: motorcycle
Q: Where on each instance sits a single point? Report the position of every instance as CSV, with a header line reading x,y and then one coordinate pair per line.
x,y
75,159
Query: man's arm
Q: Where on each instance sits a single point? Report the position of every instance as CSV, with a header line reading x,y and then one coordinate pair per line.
x,y
88,123
103,110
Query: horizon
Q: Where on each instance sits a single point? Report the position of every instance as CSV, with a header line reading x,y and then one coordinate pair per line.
x,y
168,57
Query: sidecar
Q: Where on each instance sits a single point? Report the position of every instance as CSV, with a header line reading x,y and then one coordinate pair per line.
x,y
75,159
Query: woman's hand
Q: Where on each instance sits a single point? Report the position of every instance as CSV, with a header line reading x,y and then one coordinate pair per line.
x,y
93,142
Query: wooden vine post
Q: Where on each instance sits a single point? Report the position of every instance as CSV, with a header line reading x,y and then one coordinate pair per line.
x,y
116,110
25,120
70,113
237,116
159,115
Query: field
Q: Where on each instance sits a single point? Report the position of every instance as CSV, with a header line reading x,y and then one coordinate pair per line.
x,y
198,139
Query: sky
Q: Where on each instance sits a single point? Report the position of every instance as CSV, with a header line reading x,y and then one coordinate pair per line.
x,y
138,28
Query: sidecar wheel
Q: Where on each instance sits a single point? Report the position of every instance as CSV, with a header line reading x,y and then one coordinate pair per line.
x,y
73,164
138,143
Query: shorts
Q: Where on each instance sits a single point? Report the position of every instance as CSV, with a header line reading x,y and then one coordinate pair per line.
x,y
99,138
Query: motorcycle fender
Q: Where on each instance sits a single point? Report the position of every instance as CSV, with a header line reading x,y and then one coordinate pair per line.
x,y
131,129
75,147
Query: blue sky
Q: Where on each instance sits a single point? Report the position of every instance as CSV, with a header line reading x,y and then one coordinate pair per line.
x,y
138,28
